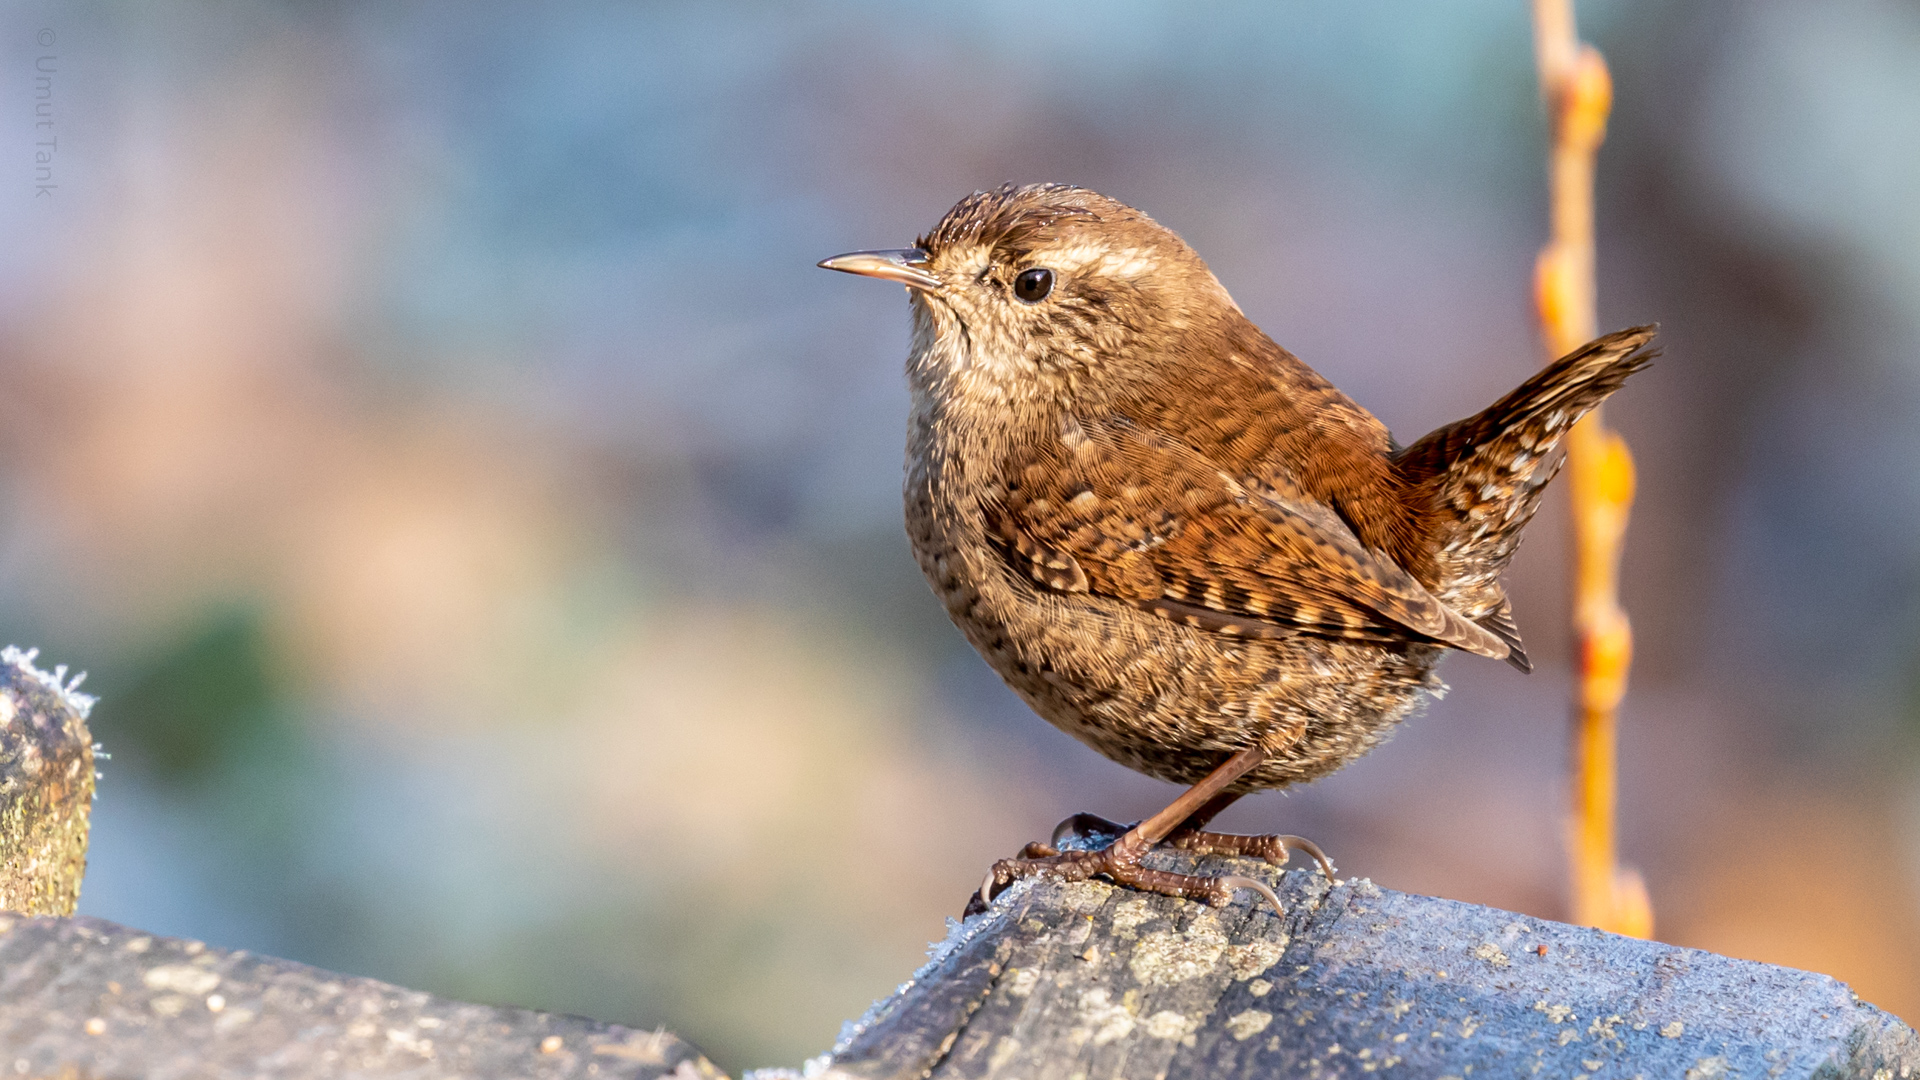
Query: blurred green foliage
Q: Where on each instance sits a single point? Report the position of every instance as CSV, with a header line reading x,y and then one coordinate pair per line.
x,y
200,703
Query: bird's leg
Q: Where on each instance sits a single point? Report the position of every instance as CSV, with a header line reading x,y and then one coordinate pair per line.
x,y
1275,848
1120,860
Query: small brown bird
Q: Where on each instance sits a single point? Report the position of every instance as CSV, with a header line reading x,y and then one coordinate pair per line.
x,y
1176,541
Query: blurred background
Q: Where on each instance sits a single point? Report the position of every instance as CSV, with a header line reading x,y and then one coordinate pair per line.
x,y
481,521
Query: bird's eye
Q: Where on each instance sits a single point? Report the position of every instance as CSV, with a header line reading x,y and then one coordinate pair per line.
x,y
1033,285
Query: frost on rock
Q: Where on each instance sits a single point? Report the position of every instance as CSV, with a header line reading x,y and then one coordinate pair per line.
x,y
55,681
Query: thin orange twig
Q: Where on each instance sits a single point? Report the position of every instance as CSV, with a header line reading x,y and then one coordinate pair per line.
x,y
1579,95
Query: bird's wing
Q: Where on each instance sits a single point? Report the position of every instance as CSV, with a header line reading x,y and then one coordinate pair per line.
x,y
1119,511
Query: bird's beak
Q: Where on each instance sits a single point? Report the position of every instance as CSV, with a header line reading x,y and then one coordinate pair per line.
x,y
905,265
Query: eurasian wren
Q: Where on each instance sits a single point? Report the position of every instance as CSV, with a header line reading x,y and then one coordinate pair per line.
x,y
1174,540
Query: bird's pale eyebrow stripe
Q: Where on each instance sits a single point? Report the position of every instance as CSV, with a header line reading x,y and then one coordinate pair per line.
x,y
1126,262
1073,257
1131,262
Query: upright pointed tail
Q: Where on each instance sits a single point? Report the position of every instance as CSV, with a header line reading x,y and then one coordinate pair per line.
x,y
1479,480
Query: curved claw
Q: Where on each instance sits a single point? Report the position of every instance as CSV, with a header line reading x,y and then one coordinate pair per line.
x,y
1301,843
985,896
1237,882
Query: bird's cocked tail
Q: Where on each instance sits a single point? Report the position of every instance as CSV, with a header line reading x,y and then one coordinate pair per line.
x,y
1478,481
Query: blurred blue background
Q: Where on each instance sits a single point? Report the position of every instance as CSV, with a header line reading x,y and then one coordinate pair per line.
x,y
481,520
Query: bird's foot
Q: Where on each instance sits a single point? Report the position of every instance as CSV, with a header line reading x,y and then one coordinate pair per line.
x,y
1091,831
1274,848
1118,860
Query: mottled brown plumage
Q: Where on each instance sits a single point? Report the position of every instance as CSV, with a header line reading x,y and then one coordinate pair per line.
x,y
1176,541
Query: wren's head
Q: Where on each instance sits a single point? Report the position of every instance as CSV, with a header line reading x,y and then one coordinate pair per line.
x,y
1049,293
